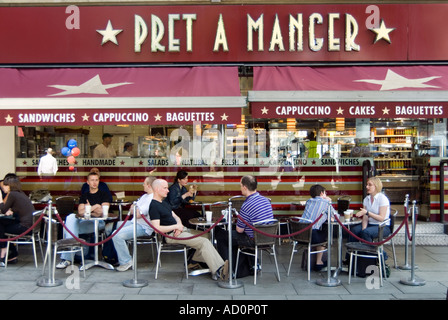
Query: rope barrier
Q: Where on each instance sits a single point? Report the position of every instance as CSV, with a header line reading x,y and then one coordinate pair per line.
x,y
26,232
185,238
87,243
279,236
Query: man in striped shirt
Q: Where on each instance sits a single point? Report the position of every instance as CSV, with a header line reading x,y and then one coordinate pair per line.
x,y
255,208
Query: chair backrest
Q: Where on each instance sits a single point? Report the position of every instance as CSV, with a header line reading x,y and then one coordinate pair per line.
x,y
295,225
343,204
381,229
36,216
269,227
217,207
237,202
65,205
392,217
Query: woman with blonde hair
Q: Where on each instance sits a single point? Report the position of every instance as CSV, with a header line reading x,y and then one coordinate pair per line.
x,y
376,209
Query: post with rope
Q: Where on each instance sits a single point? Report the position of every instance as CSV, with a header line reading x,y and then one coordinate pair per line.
x,y
50,281
135,282
413,280
233,283
406,265
330,281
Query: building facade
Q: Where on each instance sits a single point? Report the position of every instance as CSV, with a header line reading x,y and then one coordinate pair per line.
x,y
295,94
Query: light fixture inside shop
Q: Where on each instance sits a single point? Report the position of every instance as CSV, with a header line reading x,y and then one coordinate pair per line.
x,y
340,124
290,124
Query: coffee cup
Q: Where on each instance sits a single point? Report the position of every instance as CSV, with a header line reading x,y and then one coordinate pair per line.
x,y
105,211
88,209
208,215
348,214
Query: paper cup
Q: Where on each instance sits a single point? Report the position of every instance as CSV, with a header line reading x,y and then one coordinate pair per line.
x,y
347,215
105,211
208,215
88,209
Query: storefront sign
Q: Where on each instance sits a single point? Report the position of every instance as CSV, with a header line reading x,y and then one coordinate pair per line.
x,y
349,110
88,117
223,33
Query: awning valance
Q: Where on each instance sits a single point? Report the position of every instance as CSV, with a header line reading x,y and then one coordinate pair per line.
x,y
120,96
350,92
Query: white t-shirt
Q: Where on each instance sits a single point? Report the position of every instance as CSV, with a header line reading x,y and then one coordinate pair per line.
x,y
143,205
47,165
101,151
379,200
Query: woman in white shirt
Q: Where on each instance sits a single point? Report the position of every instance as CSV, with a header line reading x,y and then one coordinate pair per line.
x,y
376,209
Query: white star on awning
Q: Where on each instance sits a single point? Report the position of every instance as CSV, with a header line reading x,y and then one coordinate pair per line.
x,y
92,86
109,34
395,81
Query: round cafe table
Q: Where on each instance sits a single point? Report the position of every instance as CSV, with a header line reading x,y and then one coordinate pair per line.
x,y
353,221
96,262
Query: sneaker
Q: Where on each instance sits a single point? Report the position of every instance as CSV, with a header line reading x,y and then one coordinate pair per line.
x,y
63,264
222,273
124,267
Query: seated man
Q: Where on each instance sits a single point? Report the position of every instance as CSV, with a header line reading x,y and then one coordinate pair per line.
x,y
102,185
314,207
255,208
166,221
96,199
127,232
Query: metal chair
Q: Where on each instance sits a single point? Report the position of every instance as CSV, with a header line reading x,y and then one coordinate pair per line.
x,y
262,243
170,248
146,239
30,238
360,249
303,239
69,245
217,208
237,202
393,217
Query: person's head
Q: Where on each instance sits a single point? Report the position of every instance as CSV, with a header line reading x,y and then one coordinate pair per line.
x,y
317,190
8,175
248,185
160,188
12,184
96,170
128,146
93,180
147,184
107,139
374,185
181,177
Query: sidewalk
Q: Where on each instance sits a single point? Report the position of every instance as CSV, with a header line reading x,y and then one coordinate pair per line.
x,y
18,282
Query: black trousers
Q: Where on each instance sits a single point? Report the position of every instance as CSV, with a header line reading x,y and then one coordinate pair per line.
x,y
10,226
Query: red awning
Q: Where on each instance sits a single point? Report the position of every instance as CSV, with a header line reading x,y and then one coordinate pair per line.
x,y
89,96
351,92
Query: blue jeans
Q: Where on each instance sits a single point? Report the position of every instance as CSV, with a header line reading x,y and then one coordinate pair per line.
x,y
369,233
126,233
77,227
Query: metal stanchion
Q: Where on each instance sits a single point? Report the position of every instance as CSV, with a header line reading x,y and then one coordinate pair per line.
x,y
406,265
330,281
232,283
50,281
413,280
135,282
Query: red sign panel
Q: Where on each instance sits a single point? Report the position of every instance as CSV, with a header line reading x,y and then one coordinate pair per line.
x,y
349,110
230,33
88,117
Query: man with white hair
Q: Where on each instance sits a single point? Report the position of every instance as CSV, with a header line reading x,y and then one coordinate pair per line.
x,y
47,164
166,221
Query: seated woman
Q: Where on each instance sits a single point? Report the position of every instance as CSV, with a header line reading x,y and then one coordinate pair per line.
x,y
179,196
376,209
18,205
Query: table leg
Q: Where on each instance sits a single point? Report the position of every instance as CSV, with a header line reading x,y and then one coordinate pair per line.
x,y
96,262
339,267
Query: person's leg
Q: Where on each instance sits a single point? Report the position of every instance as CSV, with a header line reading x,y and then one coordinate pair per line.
x,y
119,240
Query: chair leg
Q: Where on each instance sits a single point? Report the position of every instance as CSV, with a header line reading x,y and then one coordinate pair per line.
x,y
158,260
292,256
380,266
255,265
7,254
276,265
393,252
350,268
308,262
186,262
82,260
34,251
237,261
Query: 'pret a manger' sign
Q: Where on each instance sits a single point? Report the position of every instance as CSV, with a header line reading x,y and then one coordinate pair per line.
x,y
217,33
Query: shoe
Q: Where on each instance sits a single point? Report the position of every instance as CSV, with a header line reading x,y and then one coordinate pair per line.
x,y
222,273
319,267
124,267
2,262
63,264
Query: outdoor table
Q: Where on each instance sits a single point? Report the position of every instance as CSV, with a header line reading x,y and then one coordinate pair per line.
x,y
353,221
97,262
120,204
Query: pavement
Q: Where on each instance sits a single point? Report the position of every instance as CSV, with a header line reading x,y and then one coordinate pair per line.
x,y
19,281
